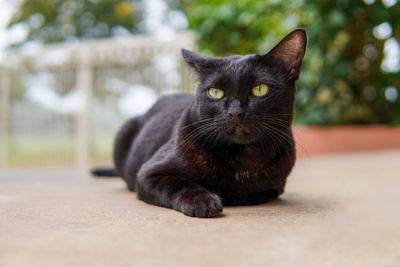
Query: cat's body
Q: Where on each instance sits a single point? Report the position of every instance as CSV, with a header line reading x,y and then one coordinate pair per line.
x,y
198,153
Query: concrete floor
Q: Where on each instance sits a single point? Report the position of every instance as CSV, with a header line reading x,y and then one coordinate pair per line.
x,y
338,210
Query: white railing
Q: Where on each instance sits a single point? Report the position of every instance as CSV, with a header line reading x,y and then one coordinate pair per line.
x,y
76,95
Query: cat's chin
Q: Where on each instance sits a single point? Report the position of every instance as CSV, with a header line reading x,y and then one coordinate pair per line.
x,y
240,139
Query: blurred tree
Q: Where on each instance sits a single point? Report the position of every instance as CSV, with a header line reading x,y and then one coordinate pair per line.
x,y
246,26
343,80
60,20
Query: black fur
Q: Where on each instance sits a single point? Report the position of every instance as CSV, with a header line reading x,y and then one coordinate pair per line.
x,y
105,172
195,154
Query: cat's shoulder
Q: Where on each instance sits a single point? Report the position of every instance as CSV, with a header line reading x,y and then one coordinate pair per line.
x,y
174,99
171,105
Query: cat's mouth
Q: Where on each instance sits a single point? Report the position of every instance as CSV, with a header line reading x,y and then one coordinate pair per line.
x,y
238,129
238,133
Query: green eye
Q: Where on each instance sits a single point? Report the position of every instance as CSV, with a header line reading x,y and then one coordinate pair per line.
x,y
260,90
215,93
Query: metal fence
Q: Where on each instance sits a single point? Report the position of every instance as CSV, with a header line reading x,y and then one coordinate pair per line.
x,y
64,103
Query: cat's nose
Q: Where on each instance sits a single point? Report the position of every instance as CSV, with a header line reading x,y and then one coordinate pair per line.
x,y
235,113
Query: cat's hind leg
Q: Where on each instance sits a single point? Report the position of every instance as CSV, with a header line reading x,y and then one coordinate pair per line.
x,y
122,146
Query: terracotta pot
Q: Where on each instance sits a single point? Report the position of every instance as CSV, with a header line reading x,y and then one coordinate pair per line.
x,y
311,140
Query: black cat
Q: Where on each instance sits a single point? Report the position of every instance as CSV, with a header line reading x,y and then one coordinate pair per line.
x,y
231,144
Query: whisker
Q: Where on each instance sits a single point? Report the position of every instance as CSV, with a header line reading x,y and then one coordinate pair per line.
x,y
196,122
204,130
279,136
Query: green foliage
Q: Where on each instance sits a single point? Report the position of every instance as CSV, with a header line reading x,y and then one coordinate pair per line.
x,y
225,27
341,81
60,20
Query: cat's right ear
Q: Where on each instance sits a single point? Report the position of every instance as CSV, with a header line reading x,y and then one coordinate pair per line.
x,y
289,53
201,63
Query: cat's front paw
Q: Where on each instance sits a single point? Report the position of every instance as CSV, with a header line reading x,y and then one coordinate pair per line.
x,y
201,204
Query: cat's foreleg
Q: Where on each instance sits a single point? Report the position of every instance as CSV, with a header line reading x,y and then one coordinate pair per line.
x,y
178,193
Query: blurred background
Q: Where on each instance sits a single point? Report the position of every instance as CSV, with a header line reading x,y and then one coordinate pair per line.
x,y
73,70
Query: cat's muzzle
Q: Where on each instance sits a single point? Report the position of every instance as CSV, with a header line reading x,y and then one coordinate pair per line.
x,y
238,133
238,130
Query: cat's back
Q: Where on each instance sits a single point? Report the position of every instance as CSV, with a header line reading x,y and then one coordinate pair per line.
x,y
159,121
140,137
157,125
170,105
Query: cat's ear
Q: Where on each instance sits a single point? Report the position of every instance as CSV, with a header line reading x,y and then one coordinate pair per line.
x,y
289,53
201,63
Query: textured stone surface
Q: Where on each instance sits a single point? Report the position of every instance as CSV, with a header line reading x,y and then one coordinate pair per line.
x,y
338,210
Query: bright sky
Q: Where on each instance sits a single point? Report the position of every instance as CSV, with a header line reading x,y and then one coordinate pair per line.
x,y
7,37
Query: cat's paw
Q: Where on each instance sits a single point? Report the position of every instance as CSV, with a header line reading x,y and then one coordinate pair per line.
x,y
203,204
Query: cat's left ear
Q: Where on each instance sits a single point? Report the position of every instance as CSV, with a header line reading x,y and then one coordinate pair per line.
x,y
201,63
289,53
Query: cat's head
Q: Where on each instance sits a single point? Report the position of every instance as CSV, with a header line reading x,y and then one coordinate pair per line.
x,y
243,98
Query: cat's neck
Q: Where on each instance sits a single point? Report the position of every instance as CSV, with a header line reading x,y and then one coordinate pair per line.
x,y
235,155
